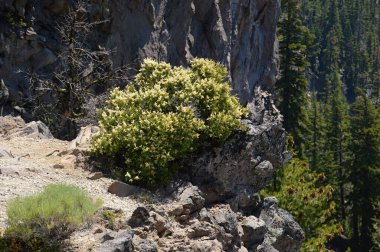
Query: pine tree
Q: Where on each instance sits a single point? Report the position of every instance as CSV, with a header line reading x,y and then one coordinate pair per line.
x,y
365,171
302,192
337,138
316,142
335,109
293,84
332,53
356,26
348,35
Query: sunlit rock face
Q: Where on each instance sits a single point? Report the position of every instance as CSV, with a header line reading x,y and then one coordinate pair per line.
x,y
236,170
238,33
241,34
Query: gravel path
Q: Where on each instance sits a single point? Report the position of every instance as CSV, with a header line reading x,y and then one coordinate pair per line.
x,y
31,169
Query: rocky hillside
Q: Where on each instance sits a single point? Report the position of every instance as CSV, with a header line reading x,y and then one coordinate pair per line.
x,y
214,206
240,34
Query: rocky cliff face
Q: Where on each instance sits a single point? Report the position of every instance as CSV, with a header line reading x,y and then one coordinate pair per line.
x,y
246,162
238,33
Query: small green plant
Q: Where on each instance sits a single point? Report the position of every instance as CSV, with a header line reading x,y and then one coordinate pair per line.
x,y
303,193
113,218
47,218
14,20
160,117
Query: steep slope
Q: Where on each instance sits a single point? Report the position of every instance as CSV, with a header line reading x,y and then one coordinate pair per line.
x,y
240,34
224,215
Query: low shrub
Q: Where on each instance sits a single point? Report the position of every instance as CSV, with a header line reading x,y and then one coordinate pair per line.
x,y
113,219
160,117
44,220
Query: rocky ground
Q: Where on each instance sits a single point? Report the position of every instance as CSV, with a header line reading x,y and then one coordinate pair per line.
x,y
220,210
29,161
189,218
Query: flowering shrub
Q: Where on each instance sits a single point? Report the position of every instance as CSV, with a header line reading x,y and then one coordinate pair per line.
x,y
158,119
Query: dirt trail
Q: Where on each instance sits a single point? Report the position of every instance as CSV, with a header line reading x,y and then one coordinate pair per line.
x,y
31,168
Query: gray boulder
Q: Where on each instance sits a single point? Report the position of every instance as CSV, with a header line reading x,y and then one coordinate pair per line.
x,y
189,199
95,176
140,217
284,233
121,243
225,224
266,248
246,162
162,224
254,231
122,189
12,127
83,140
145,246
32,130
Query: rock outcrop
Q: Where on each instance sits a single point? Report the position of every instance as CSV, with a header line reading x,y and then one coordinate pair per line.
x,y
12,127
222,212
187,224
238,33
83,140
246,162
284,233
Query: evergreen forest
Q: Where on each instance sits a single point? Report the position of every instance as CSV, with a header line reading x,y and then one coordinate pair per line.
x,y
191,125
329,93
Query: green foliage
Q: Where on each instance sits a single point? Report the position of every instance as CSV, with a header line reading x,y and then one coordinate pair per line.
x,y
327,145
315,143
47,218
347,31
376,230
346,56
303,194
295,41
338,138
14,20
158,119
365,168
113,218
